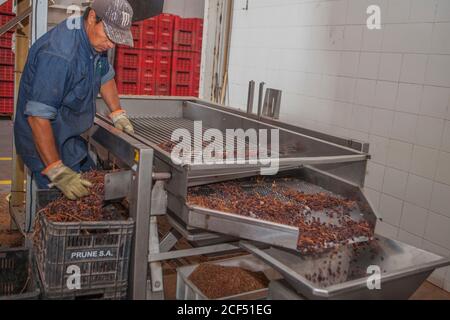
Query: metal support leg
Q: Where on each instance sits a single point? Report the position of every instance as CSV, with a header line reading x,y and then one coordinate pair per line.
x,y
12,224
159,199
155,290
156,274
140,204
30,203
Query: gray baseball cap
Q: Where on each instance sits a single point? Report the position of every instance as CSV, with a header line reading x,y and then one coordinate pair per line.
x,y
117,16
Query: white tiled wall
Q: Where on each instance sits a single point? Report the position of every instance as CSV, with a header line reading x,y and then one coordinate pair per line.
x,y
390,87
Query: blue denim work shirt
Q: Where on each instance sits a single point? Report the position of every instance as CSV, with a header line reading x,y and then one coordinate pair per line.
x,y
60,82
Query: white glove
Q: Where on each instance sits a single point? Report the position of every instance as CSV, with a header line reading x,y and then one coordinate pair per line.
x,y
67,180
121,121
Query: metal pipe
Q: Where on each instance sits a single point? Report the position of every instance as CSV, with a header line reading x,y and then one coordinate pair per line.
x,y
260,98
251,96
161,176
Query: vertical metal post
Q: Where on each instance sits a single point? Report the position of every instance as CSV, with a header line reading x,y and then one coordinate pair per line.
x,y
30,210
38,28
251,96
260,98
39,19
155,289
277,106
272,103
156,272
140,205
206,22
18,170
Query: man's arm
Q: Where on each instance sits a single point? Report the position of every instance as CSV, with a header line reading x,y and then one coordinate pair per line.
x,y
110,95
44,140
47,92
64,178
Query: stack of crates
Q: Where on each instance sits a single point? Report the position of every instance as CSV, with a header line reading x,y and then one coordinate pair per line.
x,y
127,69
145,69
7,61
186,59
163,63
165,59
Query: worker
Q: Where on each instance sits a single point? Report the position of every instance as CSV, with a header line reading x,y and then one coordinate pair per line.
x,y
65,71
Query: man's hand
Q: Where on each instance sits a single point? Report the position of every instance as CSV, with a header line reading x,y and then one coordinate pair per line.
x,y
122,122
112,100
67,180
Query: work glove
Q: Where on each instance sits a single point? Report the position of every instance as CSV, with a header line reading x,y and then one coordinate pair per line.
x,y
121,121
67,180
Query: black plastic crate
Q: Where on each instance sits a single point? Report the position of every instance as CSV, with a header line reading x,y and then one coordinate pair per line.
x,y
18,281
118,293
101,250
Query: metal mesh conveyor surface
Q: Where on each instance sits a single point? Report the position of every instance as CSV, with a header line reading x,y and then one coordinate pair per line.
x,y
159,130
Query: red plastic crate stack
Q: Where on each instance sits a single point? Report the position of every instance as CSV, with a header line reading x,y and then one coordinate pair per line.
x,y
157,55
7,61
188,34
127,71
148,73
163,73
186,61
7,7
165,59
149,34
185,73
136,30
166,25
127,64
156,73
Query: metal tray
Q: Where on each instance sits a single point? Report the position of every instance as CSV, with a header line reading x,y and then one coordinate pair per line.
x,y
186,290
305,179
404,268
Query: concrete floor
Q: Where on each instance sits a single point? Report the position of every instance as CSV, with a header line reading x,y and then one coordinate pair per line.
x,y
5,154
7,237
13,239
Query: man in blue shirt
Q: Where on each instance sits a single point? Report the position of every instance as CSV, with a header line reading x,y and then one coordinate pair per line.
x,y
66,69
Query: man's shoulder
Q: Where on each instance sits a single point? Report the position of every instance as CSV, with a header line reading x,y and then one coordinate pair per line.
x,y
62,41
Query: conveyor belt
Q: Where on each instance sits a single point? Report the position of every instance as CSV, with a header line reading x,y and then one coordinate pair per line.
x,y
159,130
